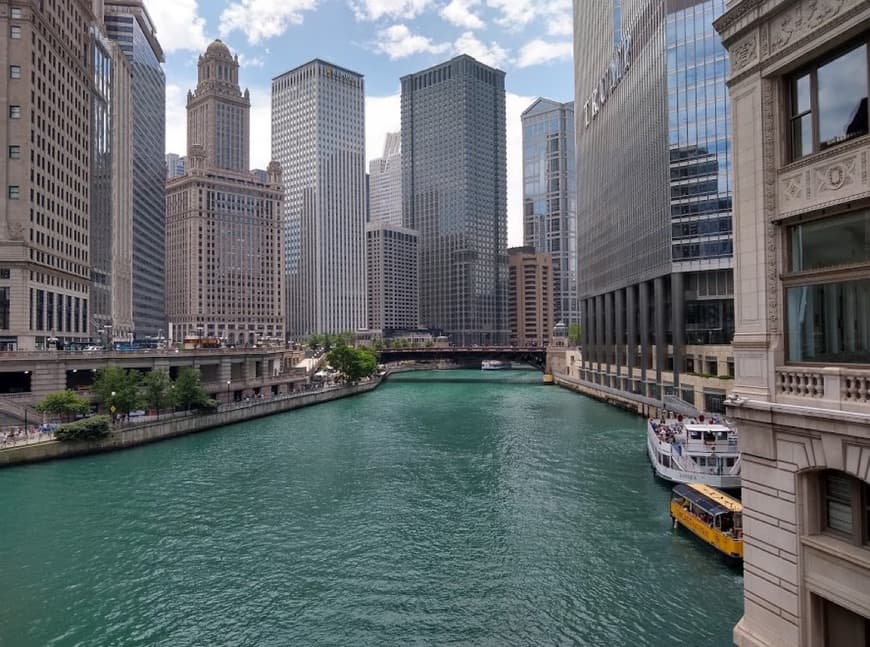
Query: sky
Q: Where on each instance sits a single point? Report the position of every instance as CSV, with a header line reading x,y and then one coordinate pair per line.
x,y
383,40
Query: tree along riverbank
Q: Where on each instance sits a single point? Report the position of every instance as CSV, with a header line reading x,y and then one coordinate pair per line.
x,y
171,427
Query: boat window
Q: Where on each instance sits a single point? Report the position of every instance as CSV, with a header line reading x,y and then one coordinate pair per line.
x,y
729,462
702,461
695,435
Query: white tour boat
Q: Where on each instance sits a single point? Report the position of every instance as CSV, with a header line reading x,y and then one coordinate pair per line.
x,y
494,365
701,449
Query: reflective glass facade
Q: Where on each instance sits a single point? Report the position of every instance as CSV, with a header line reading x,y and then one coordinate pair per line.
x,y
550,197
101,183
653,191
454,193
130,27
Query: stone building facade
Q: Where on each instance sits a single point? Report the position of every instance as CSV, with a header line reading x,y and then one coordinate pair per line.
x,y
799,89
45,144
531,302
224,227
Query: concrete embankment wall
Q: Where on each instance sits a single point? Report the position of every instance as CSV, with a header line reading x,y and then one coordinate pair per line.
x,y
610,396
172,427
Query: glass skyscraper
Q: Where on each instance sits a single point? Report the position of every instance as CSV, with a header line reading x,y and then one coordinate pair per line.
x,y
454,195
654,200
550,197
128,23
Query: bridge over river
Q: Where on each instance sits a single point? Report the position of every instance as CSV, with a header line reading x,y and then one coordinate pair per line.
x,y
535,356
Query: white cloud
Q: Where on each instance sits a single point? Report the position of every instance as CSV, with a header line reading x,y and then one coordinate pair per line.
x,y
561,24
491,54
262,19
176,117
515,14
377,9
178,23
261,127
538,51
515,104
398,41
459,13
250,61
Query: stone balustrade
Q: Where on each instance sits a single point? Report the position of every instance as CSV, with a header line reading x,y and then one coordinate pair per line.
x,y
832,387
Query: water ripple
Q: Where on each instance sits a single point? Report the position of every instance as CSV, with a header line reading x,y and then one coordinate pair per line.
x,y
488,511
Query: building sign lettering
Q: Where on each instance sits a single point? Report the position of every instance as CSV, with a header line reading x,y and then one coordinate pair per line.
x,y
619,65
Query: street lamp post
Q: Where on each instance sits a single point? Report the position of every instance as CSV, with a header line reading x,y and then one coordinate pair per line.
x,y
228,391
112,407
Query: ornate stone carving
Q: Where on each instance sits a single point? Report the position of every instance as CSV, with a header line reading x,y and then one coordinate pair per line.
x,y
833,177
796,22
768,127
743,53
793,189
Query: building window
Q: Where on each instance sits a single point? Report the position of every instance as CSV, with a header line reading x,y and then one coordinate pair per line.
x,y
14,152
15,112
13,192
15,31
829,102
845,503
4,308
14,71
828,310
15,12
841,626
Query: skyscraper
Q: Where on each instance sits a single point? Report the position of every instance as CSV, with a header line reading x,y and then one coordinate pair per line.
x,y
128,23
224,233
176,165
111,182
318,136
45,206
654,200
454,196
385,183
550,197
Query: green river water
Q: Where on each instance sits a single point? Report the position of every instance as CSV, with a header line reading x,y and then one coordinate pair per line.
x,y
444,508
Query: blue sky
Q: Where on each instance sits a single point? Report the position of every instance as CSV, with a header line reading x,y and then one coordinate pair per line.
x,y
381,39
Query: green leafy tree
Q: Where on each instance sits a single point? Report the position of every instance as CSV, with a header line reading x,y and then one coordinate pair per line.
x,y
353,363
314,342
92,428
156,390
65,404
118,388
574,334
188,391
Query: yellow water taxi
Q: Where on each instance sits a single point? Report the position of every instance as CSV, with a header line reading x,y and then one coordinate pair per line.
x,y
711,515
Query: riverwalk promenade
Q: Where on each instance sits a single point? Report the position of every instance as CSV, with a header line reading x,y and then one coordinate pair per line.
x,y
42,448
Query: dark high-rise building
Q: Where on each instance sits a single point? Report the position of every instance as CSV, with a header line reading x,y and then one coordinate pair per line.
x,y
550,197
654,199
454,195
128,23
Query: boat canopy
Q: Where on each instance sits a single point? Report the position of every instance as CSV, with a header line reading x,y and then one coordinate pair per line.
x,y
708,499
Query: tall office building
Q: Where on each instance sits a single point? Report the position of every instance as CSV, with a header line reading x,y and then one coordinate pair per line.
x,y
391,257
653,201
530,296
799,86
550,197
454,196
45,109
111,182
128,23
318,136
224,227
176,165
385,183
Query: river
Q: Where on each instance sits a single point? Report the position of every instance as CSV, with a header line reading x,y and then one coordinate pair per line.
x,y
446,507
